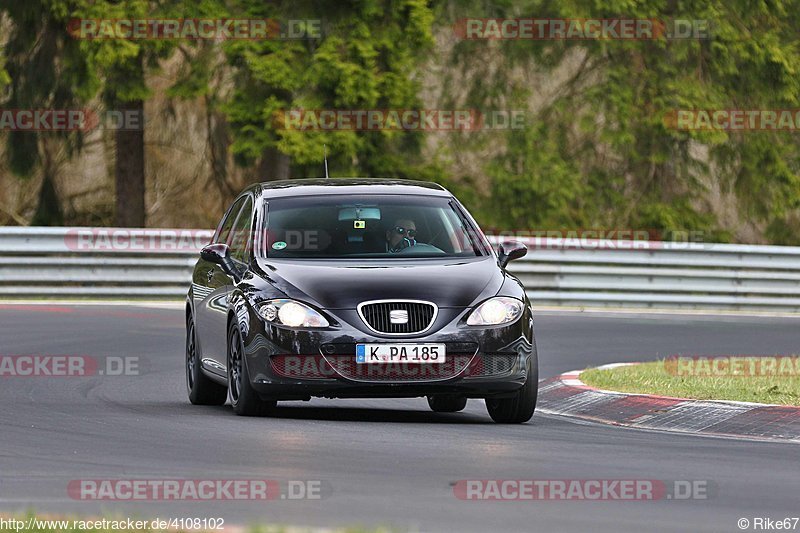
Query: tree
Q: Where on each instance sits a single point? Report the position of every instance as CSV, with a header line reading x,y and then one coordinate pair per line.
x,y
45,70
599,151
124,63
365,59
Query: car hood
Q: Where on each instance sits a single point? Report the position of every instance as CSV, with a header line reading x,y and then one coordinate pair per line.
x,y
343,285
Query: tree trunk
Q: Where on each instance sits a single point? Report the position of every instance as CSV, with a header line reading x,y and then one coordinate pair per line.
x,y
274,166
48,212
218,144
129,170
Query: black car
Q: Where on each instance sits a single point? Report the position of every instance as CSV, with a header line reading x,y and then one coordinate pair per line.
x,y
358,288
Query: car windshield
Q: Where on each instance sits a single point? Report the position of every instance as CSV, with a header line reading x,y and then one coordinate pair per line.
x,y
367,226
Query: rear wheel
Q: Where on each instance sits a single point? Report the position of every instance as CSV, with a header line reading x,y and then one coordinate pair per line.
x,y
202,391
520,407
447,403
244,399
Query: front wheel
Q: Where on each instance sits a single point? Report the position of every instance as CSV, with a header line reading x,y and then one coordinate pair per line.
x,y
244,399
519,408
202,391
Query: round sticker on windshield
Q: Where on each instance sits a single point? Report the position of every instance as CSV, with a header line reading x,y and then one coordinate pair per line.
x,y
278,245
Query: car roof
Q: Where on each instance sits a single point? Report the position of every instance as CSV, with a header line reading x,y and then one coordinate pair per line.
x,y
319,186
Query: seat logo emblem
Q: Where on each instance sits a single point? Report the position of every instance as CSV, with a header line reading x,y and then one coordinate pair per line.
x,y
398,316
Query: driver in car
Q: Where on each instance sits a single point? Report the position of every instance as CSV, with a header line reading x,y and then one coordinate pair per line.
x,y
401,236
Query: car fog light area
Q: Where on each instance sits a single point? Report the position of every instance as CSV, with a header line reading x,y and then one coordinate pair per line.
x,y
269,312
496,311
292,314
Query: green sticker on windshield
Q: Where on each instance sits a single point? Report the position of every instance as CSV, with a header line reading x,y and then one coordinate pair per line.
x,y
278,245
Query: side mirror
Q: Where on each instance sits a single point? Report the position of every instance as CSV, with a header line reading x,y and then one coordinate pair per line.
x,y
220,254
510,250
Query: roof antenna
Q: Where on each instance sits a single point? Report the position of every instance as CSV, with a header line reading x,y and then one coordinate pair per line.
x,y
325,157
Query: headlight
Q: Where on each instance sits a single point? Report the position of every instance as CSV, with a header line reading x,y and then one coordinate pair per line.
x,y
496,311
292,314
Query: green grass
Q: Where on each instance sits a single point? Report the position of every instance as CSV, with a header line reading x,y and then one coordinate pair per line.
x,y
663,380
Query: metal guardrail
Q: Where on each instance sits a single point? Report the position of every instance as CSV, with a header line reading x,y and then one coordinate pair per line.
x,y
149,263
103,263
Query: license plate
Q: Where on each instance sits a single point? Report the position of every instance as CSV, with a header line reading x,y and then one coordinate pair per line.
x,y
400,353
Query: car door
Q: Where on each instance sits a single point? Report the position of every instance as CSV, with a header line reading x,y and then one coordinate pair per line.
x,y
239,242
210,288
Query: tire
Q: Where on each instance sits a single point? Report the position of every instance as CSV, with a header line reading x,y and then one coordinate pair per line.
x,y
244,398
518,409
201,390
447,403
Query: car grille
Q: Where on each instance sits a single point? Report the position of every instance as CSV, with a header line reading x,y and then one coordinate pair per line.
x,y
342,364
302,367
346,367
492,365
378,316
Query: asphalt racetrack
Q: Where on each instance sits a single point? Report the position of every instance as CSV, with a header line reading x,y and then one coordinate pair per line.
x,y
383,462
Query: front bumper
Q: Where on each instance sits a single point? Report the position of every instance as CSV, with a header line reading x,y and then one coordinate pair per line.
x,y
288,364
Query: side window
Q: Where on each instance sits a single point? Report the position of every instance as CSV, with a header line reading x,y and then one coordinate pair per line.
x,y
227,223
241,234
